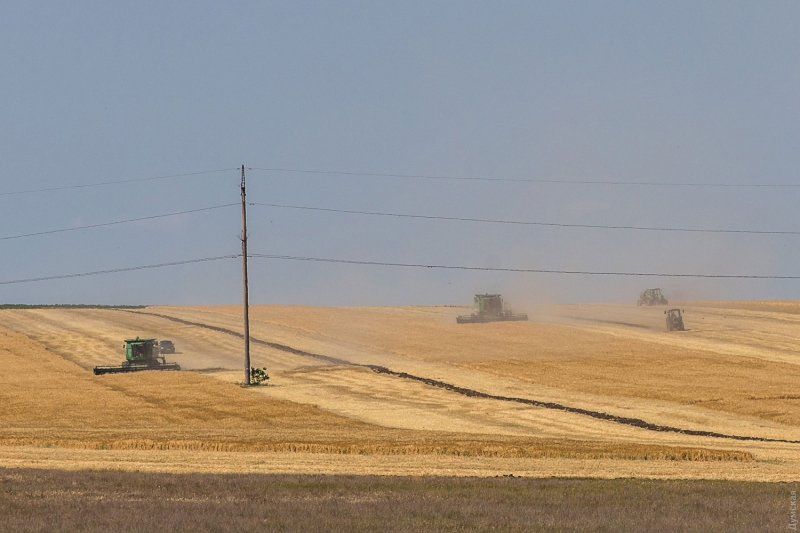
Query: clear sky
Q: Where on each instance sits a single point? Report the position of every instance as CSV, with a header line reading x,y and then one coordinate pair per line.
x,y
610,91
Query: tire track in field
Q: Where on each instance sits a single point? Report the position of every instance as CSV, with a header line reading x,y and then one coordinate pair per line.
x,y
274,345
599,415
635,422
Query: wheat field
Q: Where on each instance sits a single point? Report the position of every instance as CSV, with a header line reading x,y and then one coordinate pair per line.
x,y
734,372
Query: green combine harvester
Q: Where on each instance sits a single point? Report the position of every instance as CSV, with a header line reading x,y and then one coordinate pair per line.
x,y
140,354
651,297
490,308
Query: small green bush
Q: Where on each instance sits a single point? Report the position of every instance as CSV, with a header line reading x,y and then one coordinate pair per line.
x,y
258,376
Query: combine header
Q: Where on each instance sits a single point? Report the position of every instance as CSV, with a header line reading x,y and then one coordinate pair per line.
x,y
490,308
140,354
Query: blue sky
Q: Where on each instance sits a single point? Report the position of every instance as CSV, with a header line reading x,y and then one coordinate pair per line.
x,y
608,91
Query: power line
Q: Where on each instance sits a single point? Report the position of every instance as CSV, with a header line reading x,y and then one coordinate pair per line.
x,y
102,224
389,264
525,180
517,222
115,270
104,183
524,270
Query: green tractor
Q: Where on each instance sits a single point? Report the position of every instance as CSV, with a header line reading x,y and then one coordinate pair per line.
x,y
674,320
140,354
490,308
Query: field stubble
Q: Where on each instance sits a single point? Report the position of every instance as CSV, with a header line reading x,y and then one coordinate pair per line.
x,y
191,413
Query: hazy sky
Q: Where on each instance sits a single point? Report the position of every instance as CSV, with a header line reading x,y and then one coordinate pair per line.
x,y
609,91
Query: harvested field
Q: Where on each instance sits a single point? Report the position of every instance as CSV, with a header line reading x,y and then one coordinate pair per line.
x,y
673,374
187,411
323,399
53,501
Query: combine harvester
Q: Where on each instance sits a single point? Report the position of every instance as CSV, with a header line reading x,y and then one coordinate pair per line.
x,y
651,297
490,308
140,354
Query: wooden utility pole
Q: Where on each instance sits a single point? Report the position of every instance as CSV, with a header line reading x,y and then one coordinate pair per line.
x,y
244,288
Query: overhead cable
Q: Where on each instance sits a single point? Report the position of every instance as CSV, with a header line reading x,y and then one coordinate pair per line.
x,y
526,180
523,223
523,270
391,264
104,183
115,270
102,224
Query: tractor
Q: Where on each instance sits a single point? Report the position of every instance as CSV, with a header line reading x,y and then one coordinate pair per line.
x,y
651,297
490,308
140,354
674,320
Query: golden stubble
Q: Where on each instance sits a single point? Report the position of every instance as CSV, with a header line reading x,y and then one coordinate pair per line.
x,y
51,402
599,355
51,399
